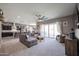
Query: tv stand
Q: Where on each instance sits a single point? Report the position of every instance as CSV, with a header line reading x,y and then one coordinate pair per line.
x,y
71,47
7,29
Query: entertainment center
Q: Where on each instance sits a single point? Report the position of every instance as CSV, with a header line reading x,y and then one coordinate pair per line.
x,y
8,31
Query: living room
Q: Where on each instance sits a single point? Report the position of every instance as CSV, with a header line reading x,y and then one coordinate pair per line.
x,y
38,29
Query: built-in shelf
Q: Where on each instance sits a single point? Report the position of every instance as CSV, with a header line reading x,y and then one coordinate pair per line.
x,y
7,30
10,31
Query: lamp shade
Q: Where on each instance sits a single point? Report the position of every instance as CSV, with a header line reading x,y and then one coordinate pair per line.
x,y
1,15
77,33
1,18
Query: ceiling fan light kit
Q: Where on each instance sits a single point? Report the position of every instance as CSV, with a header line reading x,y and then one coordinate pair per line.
x,y
41,18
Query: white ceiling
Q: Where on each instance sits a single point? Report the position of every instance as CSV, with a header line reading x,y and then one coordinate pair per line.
x,y
25,13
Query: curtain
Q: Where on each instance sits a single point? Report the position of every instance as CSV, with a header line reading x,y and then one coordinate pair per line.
x,y
59,27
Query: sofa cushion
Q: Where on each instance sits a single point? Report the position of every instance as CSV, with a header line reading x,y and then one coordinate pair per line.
x,y
31,39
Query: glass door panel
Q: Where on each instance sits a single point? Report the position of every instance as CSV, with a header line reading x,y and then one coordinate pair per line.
x,y
42,30
51,30
46,30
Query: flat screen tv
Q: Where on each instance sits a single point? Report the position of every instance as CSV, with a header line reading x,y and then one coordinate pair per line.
x,y
6,27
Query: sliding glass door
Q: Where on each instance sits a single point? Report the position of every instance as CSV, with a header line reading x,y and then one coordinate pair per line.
x,y
46,30
42,30
49,30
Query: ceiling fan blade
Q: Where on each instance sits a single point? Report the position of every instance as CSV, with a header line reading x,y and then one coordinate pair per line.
x,y
38,15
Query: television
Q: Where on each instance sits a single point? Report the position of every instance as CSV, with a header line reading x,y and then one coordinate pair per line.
x,y
6,27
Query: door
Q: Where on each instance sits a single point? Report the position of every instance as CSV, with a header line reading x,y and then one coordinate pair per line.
x,y
46,30
42,30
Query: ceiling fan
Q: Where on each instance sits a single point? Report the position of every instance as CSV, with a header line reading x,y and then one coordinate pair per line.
x,y
41,17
